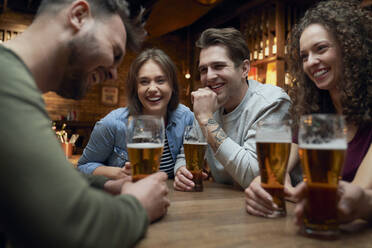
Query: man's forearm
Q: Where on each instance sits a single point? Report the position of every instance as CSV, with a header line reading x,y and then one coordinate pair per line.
x,y
107,171
216,135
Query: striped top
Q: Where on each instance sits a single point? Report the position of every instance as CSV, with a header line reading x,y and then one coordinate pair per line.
x,y
166,162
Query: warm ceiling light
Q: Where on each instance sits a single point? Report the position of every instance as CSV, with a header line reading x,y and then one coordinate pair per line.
x,y
207,2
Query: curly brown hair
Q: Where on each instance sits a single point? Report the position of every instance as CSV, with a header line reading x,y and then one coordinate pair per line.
x,y
351,28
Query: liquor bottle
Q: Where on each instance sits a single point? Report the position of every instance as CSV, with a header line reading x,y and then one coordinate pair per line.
x,y
260,54
274,46
267,48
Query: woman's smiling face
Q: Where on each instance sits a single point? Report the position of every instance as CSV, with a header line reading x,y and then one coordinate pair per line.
x,y
321,57
153,89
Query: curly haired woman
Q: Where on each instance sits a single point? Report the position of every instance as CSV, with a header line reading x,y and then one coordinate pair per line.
x,y
330,60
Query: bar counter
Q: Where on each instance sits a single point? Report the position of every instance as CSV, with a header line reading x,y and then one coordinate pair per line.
x,y
216,217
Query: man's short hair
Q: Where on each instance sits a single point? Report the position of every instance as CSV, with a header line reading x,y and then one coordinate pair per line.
x,y
104,8
230,38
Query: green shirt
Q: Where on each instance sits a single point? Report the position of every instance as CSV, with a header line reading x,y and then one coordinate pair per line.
x,y
44,201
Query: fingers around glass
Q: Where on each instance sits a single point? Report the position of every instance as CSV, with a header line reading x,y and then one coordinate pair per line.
x,y
322,149
273,144
195,145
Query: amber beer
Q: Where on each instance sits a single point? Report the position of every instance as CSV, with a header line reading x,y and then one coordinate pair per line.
x,y
194,153
273,159
322,165
145,159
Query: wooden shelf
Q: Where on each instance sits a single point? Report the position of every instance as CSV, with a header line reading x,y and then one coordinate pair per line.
x,y
264,61
266,28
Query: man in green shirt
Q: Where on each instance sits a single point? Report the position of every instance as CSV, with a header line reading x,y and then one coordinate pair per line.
x,y
71,45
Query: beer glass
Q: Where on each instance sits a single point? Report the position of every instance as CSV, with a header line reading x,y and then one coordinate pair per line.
x,y
273,144
322,143
194,145
145,142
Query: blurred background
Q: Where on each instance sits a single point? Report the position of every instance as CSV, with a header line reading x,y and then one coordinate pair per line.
x,y
174,26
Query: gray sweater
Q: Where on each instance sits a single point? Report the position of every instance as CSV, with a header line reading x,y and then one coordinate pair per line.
x,y
236,158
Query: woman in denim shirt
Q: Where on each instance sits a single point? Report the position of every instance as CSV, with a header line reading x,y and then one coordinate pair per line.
x,y
152,89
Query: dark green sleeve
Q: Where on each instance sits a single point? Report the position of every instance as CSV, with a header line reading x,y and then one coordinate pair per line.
x,y
95,181
44,201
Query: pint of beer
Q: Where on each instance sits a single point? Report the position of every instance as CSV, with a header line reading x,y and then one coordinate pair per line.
x,y
145,142
145,159
195,144
273,144
322,143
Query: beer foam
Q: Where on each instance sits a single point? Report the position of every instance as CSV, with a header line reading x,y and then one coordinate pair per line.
x,y
195,143
146,145
272,137
336,144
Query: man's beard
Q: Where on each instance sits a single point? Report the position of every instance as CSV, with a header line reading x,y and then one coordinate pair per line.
x,y
222,100
74,83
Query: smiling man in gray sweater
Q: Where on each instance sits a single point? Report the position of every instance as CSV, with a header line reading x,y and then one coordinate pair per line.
x,y
230,106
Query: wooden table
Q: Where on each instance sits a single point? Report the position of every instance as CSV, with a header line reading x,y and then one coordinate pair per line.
x,y
217,218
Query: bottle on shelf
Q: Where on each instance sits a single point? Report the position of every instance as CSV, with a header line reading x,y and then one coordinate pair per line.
x,y
260,54
255,52
267,48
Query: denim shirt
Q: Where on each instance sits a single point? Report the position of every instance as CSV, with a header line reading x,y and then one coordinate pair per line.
x,y
107,144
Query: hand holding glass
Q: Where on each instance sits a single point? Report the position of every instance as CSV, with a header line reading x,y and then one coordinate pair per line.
x,y
273,143
145,142
322,143
195,144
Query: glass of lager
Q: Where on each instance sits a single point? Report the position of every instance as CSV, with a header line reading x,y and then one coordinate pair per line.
x,y
194,145
322,143
273,144
145,142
